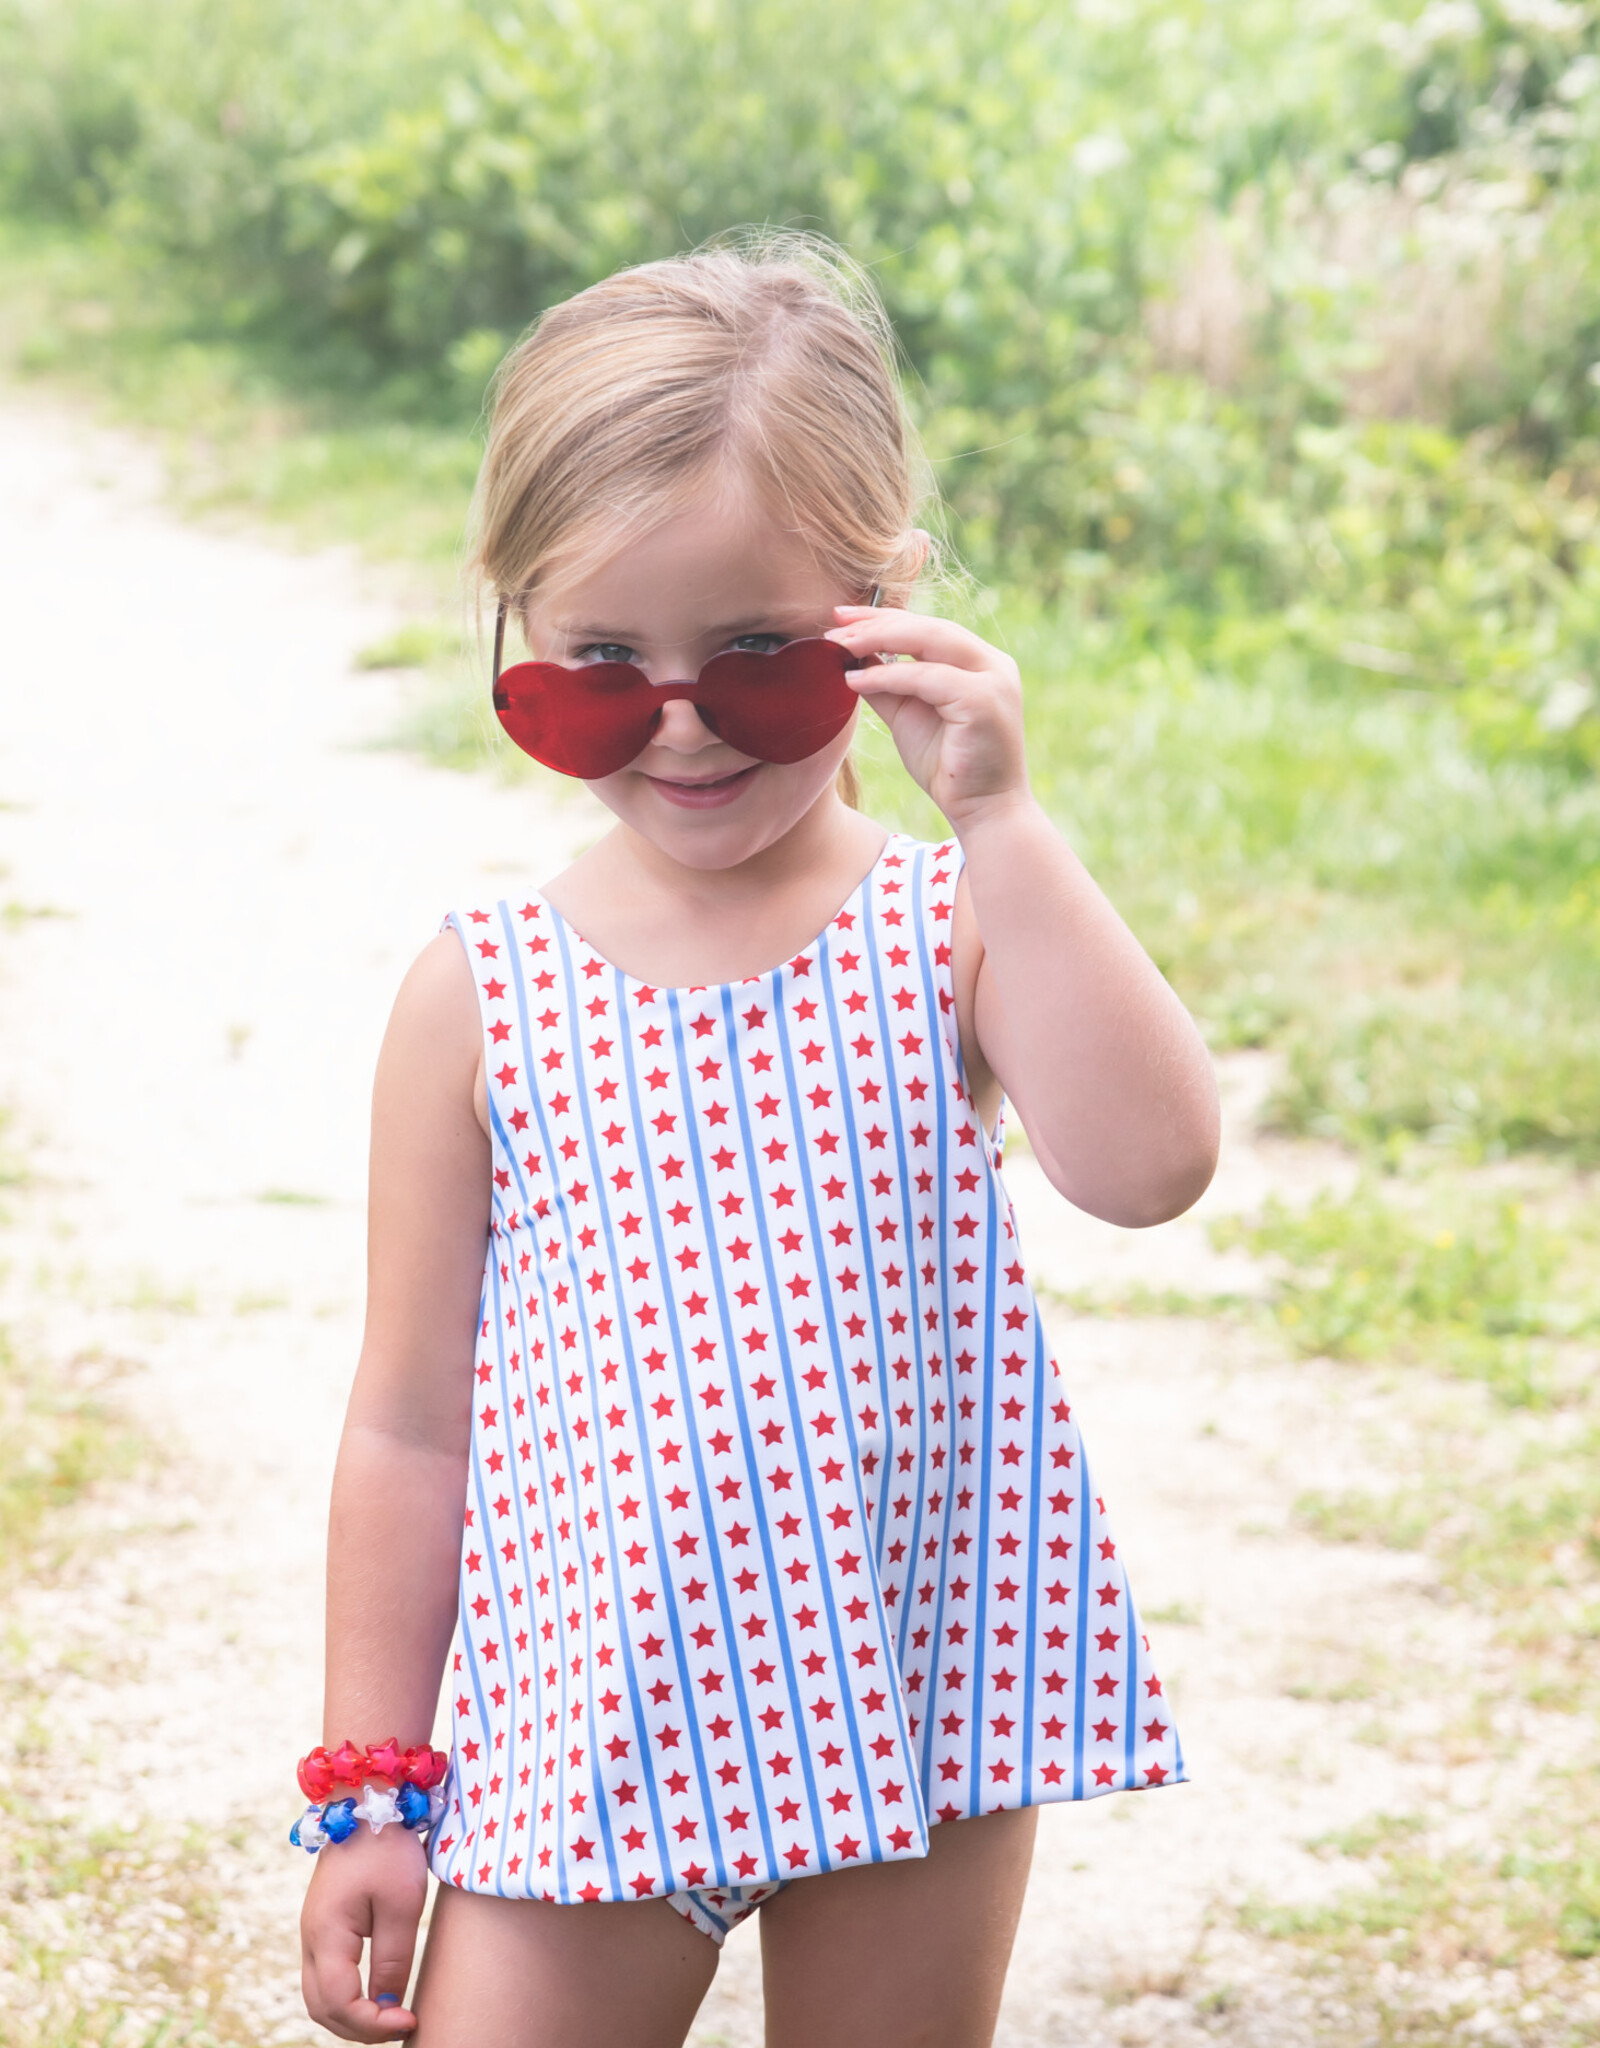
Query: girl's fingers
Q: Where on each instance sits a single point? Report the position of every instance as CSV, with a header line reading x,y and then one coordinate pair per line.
x,y
934,682
334,1999
394,1941
333,1994
907,678
925,639
332,1973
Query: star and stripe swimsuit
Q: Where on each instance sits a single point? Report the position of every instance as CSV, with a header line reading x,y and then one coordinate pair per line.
x,y
780,1545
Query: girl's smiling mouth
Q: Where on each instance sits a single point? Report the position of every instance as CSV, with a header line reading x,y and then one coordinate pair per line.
x,y
705,793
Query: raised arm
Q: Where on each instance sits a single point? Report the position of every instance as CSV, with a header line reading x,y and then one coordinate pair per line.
x,y
394,1538
1067,1011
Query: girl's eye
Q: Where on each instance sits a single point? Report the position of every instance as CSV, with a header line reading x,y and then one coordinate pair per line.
x,y
604,650
759,643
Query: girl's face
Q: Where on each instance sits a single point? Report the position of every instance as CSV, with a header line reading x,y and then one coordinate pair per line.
x,y
718,576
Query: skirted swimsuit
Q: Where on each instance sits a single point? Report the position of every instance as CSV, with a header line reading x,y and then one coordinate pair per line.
x,y
780,1545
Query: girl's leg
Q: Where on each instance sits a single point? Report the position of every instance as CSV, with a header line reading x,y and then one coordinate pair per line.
x,y
520,1973
900,1955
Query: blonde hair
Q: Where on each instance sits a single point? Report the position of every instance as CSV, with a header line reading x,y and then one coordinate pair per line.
x,y
765,355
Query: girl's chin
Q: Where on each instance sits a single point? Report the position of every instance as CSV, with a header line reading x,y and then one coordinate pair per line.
x,y
709,795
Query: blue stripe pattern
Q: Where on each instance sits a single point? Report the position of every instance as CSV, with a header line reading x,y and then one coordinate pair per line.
x,y
780,1546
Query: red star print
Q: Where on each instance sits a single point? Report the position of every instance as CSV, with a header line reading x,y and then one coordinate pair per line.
x,y
916,1523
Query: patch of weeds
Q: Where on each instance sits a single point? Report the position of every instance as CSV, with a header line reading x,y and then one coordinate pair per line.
x,y
238,428
259,1304
418,644
1140,1299
1444,1907
13,1174
15,915
450,722
1378,1831
1510,1518
1557,1868
1176,1614
111,1935
1397,1521
1519,1537
59,1437
1412,1895
1529,1540
151,1294
114,1937
1451,1277
1340,1673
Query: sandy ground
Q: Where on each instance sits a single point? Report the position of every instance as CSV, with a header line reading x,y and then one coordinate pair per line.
x,y
237,880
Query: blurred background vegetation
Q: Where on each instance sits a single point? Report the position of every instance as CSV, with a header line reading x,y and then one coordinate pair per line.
x,y
1257,347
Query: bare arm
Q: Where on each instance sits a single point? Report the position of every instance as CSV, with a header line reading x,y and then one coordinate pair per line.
x,y
394,1536
1066,1010
1108,1073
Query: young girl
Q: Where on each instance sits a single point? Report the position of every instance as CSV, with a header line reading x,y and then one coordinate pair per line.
x,y
703,1400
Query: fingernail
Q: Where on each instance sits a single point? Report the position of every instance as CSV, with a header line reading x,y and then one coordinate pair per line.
x,y
386,1998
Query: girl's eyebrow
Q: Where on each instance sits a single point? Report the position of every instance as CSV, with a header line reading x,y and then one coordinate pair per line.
x,y
758,622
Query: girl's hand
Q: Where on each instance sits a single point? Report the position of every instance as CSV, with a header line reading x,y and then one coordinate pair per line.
x,y
954,708
370,1888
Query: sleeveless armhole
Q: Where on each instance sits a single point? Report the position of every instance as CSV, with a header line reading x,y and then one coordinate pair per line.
x,y
942,867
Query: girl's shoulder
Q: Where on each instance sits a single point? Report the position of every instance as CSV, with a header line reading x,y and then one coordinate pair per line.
x,y
925,872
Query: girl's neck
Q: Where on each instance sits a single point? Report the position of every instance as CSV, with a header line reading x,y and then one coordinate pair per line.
x,y
678,926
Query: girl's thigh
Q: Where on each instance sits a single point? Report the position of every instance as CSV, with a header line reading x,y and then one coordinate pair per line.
x,y
520,1973
900,1955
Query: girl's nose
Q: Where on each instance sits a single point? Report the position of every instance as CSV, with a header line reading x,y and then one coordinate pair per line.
x,y
682,728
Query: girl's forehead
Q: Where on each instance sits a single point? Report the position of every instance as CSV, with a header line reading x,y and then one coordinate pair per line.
x,y
710,567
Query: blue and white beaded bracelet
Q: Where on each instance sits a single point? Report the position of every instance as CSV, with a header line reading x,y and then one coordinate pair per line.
x,y
379,1805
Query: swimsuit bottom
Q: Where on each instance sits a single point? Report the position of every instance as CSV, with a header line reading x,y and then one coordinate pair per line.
x,y
716,1912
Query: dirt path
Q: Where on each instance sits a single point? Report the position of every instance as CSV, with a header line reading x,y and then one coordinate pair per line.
x,y
236,882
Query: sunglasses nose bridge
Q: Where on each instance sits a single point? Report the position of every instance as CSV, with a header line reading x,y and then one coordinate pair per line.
x,y
679,728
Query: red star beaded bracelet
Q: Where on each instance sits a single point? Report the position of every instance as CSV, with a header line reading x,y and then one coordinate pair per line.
x,y
397,1785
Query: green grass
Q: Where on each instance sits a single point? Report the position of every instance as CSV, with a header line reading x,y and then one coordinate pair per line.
x,y
111,1936
1344,803
1425,1903
1390,882
60,1437
1442,1274
1343,874
1498,1490
237,429
417,645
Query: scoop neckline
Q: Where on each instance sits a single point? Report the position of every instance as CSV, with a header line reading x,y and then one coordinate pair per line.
x,y
686,988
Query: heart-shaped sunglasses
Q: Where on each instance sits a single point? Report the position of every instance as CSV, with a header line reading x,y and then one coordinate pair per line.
x,y
592,720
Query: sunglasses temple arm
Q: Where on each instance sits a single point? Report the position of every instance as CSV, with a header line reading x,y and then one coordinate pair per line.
x,y
499,641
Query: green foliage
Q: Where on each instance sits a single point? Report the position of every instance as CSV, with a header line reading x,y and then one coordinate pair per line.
x,y
409,646
1451,1279
395,190
1256,348
1452,1905
1339,871
58,1439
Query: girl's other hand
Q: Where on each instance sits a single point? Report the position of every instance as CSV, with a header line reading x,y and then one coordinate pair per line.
x,y
370,1888
954,707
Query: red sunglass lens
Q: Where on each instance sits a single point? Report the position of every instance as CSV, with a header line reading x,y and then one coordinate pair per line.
x,y
587,722
590,721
